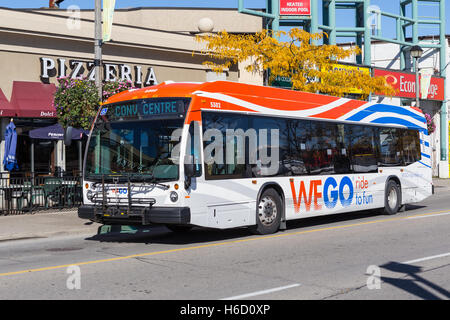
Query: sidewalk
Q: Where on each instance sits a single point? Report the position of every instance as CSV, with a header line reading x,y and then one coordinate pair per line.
x,y
45,224
441,183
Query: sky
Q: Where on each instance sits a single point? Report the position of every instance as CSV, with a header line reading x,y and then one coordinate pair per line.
x,y
87,4
388,25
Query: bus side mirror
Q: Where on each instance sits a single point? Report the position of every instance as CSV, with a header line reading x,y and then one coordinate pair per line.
x,y
68,136
188,170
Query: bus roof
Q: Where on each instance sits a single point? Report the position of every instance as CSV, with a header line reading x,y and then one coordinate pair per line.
x,y
233,96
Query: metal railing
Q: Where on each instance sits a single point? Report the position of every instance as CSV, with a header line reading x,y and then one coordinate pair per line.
x,y
22,193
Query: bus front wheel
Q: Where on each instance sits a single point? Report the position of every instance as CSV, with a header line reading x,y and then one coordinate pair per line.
x,y
393,198
268,213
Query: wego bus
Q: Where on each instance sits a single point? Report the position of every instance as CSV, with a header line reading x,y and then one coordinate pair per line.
x,y
223,154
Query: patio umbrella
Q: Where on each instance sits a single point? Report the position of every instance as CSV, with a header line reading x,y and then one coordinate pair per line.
x,y
56,132
10,162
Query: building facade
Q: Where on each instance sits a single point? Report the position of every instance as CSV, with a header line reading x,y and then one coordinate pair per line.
x,y
386,61
149,46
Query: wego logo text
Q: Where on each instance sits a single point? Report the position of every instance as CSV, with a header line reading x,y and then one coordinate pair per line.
x,y
119,191
333,192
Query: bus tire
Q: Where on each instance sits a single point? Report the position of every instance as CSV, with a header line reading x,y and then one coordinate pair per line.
x,y
268,213
178,228
393,198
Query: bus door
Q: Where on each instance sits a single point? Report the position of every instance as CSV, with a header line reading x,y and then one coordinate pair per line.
x,y
222,188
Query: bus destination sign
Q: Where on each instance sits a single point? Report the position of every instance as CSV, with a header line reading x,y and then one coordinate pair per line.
x,y
146,109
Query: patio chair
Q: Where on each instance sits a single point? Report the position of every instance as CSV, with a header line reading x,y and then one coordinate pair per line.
x,y
26,195
73,193
52,191
20,196
36,194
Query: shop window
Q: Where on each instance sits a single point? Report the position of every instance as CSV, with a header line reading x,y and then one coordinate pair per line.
x,y
44,156
73,153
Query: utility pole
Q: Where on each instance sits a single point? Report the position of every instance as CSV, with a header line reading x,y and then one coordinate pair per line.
x,y
98,47
417,52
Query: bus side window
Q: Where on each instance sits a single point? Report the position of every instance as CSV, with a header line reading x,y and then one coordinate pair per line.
x,y
273,153
224,158
314,148
363,149
411,146
341,159
298,135
391,153
324,150
194,147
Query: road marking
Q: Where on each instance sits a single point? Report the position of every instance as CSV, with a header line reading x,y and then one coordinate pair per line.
x,y
431,215
427,258
258,293
210,245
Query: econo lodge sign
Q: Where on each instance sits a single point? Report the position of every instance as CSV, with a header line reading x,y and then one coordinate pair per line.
x,y
405,84
295,7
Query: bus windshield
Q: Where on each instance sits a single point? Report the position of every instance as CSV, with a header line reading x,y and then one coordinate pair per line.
x,y
134,149
136,142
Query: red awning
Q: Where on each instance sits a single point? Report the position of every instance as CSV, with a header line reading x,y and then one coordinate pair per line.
x,y
6,108
33,99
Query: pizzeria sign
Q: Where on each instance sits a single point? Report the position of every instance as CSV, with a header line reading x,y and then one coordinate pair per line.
x,y
76,69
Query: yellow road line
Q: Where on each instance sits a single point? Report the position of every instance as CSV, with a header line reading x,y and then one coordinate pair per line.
x,y
279,235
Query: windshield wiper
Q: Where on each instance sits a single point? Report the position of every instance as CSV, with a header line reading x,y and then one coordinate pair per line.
x,y
123,178
107,178
148,177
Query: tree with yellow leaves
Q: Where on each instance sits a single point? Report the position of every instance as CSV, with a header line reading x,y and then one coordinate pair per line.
x,y
308,65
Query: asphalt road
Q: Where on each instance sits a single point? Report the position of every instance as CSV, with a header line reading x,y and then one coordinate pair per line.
x,y
361,255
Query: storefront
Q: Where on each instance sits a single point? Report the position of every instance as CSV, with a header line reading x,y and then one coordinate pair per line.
x,y
148,46
31,109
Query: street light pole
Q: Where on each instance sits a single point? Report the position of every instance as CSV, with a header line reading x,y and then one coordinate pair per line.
x,y
417,83
416,52
98,47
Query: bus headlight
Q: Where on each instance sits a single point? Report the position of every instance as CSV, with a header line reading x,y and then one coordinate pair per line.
x,y
174,196
90,195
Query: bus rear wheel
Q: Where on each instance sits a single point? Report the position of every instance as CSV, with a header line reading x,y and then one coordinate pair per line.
x,y
268,213
393,198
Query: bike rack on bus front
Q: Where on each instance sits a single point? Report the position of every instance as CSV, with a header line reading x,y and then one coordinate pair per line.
x,y
112,206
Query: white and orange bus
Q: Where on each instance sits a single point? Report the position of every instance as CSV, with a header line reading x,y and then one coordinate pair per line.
x,y
224,155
